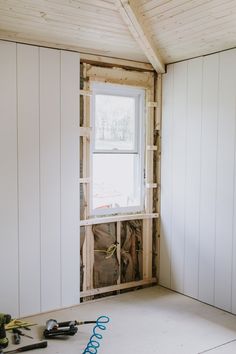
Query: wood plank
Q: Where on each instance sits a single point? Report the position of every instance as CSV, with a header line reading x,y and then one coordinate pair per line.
x,y
70,210
125,217
9,292
178,176
29,192
50,169
123,77
90,58
225,180
208,179
118,287
118,249
166,179
193,163
132,18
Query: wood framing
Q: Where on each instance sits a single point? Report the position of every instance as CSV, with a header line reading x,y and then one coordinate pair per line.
x,y
129,12
111,62
133,284
158,121
146,81
115,218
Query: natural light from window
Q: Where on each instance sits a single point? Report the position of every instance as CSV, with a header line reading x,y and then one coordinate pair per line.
x,y
117,162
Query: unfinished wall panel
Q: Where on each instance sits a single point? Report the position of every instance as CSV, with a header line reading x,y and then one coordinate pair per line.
x,y
208,194
8,180
120,246
29,186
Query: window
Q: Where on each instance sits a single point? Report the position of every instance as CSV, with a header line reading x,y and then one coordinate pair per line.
x,y
117,149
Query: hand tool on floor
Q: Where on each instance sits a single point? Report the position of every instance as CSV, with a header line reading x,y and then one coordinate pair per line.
x,y
38,345
68,328
18,324
16,338
4,319
20,333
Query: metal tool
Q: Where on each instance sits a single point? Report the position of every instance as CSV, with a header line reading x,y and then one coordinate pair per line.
x,y
4,319
68,328
16,338
20,333
38,345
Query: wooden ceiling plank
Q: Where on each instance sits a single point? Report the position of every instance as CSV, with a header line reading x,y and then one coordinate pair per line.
x,y
213,29
132,18
189,14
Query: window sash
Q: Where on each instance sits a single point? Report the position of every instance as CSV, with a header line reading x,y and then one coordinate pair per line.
x,y
139,95
121,91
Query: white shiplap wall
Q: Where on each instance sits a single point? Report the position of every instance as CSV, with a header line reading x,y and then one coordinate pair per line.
x,y
39,180
198,201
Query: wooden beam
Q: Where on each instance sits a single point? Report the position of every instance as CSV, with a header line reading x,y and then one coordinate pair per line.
x,y
115,218
118,287
129,12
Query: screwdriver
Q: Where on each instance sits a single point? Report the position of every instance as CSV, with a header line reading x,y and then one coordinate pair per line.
x,y
18,331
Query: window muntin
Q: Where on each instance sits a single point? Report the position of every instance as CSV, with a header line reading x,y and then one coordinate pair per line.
x,y
117,149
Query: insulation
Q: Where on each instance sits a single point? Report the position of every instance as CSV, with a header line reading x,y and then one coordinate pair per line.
x,y
106,267
131,251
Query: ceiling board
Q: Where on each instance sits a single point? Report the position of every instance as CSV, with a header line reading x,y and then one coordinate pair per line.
x,y
178,29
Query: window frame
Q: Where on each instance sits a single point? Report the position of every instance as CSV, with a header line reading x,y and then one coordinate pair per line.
x,y
139,95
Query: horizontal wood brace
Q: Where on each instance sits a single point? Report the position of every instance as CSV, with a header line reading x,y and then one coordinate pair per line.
x,y
115,218
152,148
151,185
84,180
117,287
85,93
85,131
152,104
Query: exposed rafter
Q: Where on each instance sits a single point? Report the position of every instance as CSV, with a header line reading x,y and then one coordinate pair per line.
x,y
129,12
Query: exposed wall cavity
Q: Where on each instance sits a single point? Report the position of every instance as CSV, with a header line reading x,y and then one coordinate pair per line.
x,y
115,253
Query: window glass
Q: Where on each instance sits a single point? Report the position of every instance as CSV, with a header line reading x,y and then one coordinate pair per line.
x,y
115,181
114,123
117,149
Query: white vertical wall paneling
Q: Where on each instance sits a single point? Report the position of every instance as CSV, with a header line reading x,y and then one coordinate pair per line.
x,y
178,176
8,180
50,182
234,233
166,173
225,180
70,265
28,162
208,178
202,205
193,161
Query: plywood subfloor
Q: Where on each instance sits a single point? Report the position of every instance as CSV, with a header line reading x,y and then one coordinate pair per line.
x,y
153,320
